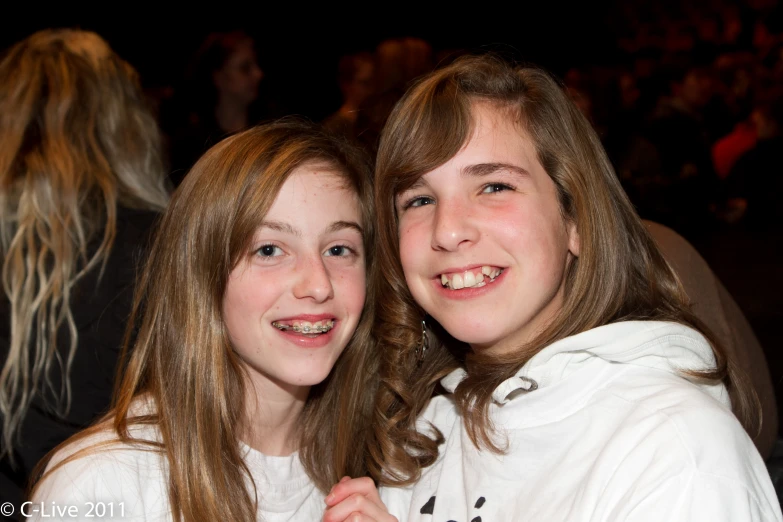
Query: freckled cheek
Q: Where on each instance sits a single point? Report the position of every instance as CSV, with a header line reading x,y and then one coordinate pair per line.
x,y
352,286
255,297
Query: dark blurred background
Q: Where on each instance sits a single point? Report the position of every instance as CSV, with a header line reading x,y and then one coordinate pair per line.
x,y
299,46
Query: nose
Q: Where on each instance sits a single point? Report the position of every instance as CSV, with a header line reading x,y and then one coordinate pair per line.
x,y
454,226
314,281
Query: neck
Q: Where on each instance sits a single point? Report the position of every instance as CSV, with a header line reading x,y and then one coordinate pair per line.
x,y
230,116
272,414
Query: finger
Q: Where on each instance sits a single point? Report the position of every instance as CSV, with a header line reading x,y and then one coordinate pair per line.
x,y
359,517
352,517
357,507
343,489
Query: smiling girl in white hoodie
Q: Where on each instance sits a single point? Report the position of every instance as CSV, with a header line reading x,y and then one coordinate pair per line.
x,y
540,358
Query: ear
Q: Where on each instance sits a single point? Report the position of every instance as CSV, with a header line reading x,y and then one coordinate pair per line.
x,y
573,238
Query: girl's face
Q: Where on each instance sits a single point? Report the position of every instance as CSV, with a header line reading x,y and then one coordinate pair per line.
x,y
292,304
483,244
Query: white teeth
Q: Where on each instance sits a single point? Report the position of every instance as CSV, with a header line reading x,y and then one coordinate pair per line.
x,y
470,279
306,327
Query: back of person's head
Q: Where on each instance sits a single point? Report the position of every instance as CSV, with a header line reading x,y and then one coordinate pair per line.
x,y
77,139
619,274
183,358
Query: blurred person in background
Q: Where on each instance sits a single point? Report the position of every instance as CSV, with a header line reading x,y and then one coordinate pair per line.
x,y
355,77
215,100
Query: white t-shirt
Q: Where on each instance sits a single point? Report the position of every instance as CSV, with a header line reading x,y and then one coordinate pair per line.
x,y
130,483
599,427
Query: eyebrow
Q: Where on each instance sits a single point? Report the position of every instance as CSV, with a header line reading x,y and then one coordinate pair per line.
x,y
478,170
341,225
334,227
485,169
281,227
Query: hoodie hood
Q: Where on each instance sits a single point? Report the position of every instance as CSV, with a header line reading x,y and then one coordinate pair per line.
x,y
659,345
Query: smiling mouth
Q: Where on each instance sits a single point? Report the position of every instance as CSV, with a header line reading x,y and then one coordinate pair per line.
x,y
475,278
305,327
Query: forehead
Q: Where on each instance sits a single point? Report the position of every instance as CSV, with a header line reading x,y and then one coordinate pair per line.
x,y
496,136
243,51
497,142
316,190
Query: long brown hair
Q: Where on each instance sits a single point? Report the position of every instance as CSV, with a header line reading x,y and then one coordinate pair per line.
x,y
77,139
182,359
619,274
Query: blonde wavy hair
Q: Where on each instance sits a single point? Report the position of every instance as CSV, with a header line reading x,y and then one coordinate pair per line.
x,y
620,274
182,362
77,139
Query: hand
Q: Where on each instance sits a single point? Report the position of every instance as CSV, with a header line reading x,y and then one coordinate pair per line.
x,y
355,500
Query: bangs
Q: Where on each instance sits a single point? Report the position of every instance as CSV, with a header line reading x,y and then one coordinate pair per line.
x,y
424,131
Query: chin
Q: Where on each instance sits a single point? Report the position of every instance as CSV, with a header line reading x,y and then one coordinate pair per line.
x,y
470,333
309,379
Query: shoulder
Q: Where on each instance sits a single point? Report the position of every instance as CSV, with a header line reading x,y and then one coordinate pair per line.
x,y
100,468
103,453
664,438
666,412
673,400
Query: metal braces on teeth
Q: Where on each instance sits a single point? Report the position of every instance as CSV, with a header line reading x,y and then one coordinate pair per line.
x,y
303,329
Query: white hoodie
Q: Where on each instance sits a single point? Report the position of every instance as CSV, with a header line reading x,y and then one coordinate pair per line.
x,y
599,426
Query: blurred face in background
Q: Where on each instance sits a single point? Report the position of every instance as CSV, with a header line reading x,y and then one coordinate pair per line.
x,y
240,75
361,87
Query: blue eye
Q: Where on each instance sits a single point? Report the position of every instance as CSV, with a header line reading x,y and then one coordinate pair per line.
x,y
269,251
491,188
339,251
